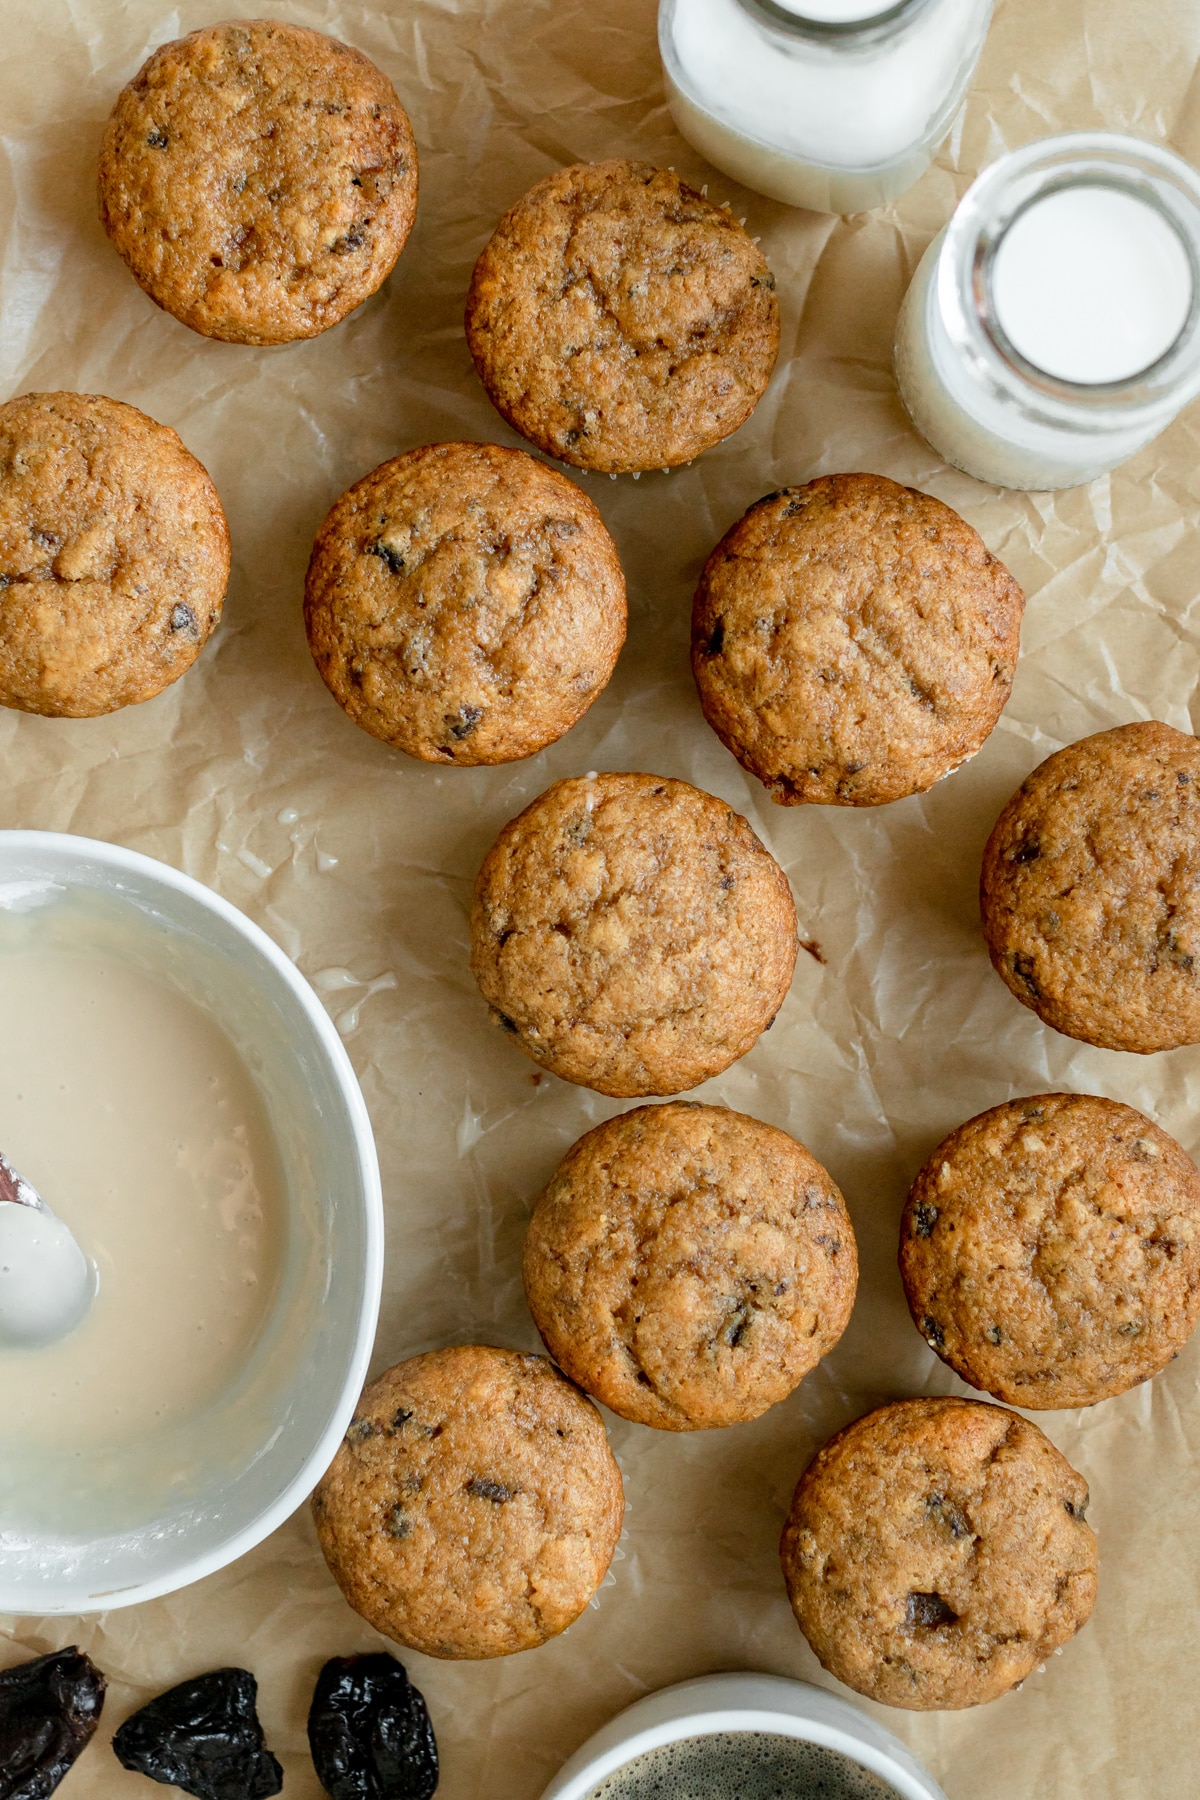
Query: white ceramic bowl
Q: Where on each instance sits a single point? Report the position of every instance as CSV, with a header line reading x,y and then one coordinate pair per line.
x,y
743,1702
162,1517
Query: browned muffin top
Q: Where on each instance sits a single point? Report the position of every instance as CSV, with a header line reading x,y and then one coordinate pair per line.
x,y
632,934
465,603
687,1265
619,320
114,555
1050,1250
1090,891
259,179
936,1553
853,641
474,1505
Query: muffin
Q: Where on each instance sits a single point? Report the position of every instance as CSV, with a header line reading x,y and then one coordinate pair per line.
x,y
259,179
631,934
688,1265
1050,1250
474,1505
620,321
1089,895
465,603
114,555
853,641
936,1553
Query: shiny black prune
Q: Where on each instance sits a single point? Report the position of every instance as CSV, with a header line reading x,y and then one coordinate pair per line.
x,y
49,1709
369,1731
204,1737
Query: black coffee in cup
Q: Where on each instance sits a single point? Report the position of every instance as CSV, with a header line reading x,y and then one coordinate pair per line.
x,y
742,1765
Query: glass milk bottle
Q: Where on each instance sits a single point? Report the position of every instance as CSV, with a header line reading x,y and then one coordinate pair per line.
x,y
1054,326
837,105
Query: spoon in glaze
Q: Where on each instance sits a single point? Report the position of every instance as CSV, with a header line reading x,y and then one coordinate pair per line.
x,y
46,1282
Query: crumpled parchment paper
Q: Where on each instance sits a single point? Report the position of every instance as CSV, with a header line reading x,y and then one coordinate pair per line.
x,y
360,862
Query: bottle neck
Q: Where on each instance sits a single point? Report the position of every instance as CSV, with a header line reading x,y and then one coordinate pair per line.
x,y
1031,371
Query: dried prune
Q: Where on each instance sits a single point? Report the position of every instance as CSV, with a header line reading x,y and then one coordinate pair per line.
x,y
482,1487
463,723
930,1610
369,1731
925,1217
203,1736
392,558
49,1709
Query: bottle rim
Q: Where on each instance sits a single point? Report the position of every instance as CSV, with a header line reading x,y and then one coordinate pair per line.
x,y
880,24
991,206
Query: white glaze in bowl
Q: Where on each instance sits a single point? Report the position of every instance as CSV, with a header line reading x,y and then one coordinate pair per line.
x,y
165,1514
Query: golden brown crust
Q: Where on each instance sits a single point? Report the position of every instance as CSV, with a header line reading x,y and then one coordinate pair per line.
x,y
259,179
936,1553
465,603
114,555
688,1265
632,934
1090,890
1050,1250
474,1505
620,321
853,641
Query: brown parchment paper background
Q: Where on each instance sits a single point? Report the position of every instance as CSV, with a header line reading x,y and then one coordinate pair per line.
x,y
360,862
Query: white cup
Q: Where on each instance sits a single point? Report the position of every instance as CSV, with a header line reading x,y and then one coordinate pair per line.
x,y
743,1702
281,1423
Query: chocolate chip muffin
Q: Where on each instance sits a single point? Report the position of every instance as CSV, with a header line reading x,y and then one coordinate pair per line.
x,y
1050,1250
114,555
936,1553
853,641
631,933
474,1505
259,179
465,603
1090,895
620,321
688,1265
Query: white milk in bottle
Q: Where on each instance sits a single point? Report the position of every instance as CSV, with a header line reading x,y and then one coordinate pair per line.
x,y
1054,327
837,105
